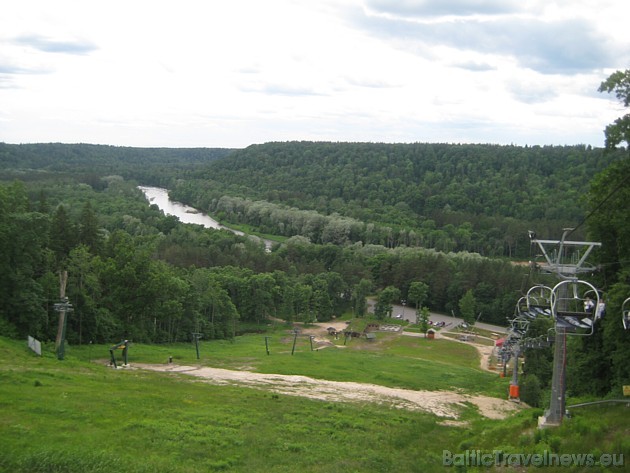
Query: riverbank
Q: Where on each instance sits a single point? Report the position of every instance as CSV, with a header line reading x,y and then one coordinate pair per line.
x,y
187,214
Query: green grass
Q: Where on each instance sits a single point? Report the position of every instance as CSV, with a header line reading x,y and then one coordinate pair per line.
x,y
595,431
73,416
392,360
78,415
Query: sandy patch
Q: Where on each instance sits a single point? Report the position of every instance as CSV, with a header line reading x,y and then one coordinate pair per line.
x,y
485,353
445,404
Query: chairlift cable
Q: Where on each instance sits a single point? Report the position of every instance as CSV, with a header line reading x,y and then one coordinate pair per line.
x,y
598,206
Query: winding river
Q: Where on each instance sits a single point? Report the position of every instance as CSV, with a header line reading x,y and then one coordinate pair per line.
x,y
185,213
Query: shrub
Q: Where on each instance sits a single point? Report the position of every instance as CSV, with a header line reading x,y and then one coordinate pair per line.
x,y
531,390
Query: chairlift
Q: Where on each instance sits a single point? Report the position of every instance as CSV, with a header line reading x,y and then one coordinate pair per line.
x,y
506,357
539,300
522,309
519,326
574,306
521,305
625,314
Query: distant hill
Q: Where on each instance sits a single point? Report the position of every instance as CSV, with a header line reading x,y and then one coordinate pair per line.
x,y
489,192
147,165
480,198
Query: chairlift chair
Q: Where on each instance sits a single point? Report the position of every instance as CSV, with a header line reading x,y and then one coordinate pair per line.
x,y
520,326
539,300
522,311
625,314
521,307
574,306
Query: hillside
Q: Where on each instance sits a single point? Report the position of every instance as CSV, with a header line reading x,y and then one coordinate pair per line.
x,y
80,416
135,273
480,198
147,165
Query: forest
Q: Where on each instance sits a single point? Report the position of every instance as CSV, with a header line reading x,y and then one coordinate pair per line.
x,y
360,219
476,198
134,272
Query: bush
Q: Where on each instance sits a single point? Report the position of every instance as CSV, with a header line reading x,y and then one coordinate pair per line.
x,y
531,392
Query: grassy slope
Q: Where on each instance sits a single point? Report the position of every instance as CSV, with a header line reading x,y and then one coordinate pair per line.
x,y
76,416
405,362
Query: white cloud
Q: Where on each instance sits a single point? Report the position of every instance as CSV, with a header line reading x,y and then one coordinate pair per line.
x,y
197,73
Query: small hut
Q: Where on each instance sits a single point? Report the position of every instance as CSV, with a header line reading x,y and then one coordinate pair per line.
x,y
430,334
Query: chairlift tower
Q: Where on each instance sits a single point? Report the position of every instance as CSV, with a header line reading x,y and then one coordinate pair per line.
x,y
566,259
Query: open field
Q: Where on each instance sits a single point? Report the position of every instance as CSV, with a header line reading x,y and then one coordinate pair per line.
x,y
78,415
391,360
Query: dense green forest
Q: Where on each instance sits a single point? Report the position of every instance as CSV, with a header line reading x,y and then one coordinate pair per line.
x,y
361,218
89,163
136,273
477,198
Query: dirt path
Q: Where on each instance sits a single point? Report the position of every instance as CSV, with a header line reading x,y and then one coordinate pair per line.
x,y
485,352
445,404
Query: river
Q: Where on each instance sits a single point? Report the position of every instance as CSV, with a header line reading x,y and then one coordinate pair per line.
x,y
185,213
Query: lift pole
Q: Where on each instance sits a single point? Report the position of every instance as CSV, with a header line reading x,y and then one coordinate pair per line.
x,y
514,388
555,414
196,336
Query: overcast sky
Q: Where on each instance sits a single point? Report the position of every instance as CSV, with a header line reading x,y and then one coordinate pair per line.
x,y
230,73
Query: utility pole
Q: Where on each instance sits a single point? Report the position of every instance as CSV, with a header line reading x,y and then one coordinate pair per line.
x,y
562,258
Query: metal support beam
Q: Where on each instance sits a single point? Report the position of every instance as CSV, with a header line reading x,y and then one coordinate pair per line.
x,y
554,415
558,265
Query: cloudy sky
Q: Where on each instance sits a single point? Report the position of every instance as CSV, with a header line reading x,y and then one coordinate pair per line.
x,y
229,73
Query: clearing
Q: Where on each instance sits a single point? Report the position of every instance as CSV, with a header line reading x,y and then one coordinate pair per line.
x,y
441,403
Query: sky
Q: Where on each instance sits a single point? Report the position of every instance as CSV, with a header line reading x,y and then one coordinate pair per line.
x,y
230,73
